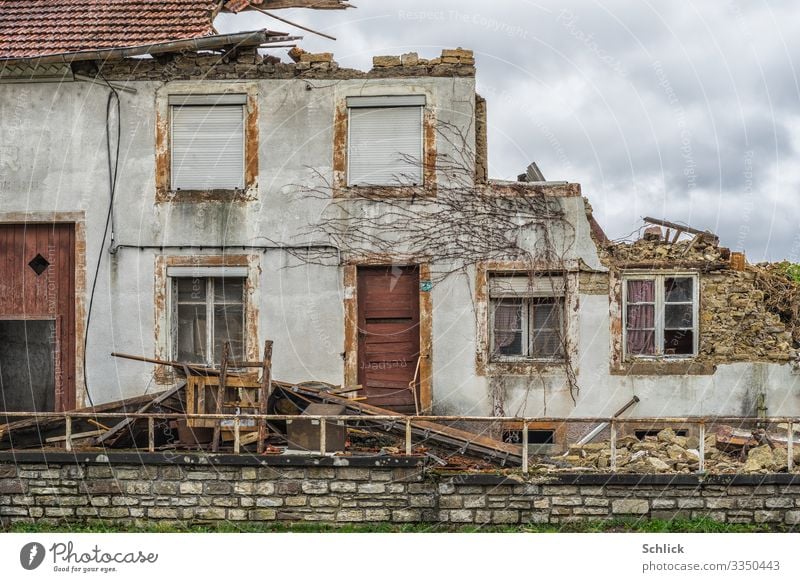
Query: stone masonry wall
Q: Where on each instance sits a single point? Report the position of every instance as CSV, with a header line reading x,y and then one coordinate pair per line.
x,y
59,487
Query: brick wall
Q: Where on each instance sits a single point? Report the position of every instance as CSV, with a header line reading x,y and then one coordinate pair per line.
x,y
120,487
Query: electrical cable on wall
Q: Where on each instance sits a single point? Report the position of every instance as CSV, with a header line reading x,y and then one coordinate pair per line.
x,y
113,164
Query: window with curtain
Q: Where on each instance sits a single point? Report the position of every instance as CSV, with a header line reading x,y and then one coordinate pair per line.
x,y
660,313
527,317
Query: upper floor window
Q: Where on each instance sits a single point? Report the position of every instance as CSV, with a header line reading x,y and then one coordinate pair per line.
x,y
207,142
385,142
660,315
527,317
208,310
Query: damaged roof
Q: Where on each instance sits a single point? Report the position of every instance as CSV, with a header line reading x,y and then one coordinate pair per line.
x,y
30,28
35,28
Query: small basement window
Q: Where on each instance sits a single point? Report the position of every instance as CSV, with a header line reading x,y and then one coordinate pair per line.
x,y
385,141
660,315
536,436
207,141
207,312
527,317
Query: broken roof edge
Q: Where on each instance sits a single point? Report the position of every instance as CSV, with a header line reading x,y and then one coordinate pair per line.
x,y
239,39
558,189
237,6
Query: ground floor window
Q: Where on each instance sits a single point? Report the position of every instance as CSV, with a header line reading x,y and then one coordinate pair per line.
x,y
207,312
527,317
660,315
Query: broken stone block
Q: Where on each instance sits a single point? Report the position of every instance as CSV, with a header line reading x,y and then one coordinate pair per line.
x,y
666,436
760,458
657,464
386,61
409,59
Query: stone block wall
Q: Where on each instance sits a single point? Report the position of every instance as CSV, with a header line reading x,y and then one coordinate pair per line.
x,y
60,487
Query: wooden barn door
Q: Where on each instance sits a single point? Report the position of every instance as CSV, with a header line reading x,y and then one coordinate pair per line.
x,y
388,335
37,317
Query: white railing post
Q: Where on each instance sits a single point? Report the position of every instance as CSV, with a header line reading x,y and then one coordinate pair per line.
x,y
702,467
613,445
68,433
790,446
525,447
322,436
408,436
151,437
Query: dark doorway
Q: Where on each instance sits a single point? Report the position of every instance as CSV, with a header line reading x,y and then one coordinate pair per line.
x,y
27,365
388,335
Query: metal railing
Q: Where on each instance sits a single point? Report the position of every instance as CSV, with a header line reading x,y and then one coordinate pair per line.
x,y
236,420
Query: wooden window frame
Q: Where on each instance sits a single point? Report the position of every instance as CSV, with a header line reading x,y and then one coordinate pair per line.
x,y
659,317
527,322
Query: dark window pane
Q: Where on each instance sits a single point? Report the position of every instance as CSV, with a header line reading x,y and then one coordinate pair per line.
x,y
641,317
508,327
547,344
546,316
192,333
678,342
677,316
229,326
191,290
678,289
640,343
641,291
228,290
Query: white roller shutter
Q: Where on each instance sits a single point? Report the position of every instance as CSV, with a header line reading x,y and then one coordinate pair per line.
x,y
207,147
521,286
385,146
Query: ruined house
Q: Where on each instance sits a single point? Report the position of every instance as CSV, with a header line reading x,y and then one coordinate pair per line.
x,y
165,189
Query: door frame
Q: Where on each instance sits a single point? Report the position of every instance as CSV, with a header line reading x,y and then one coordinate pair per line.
x,y
350,354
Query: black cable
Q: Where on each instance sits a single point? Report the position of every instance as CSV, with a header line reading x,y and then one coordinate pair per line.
x,y
112,186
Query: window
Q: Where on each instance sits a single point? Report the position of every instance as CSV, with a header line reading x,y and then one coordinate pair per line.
x,y
207,312
660,313
207,142
527,317
385,141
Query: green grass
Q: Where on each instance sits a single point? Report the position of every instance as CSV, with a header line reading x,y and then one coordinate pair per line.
x,y
700,525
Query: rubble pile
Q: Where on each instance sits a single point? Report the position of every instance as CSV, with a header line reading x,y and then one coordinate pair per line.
x,y
671,453
701,250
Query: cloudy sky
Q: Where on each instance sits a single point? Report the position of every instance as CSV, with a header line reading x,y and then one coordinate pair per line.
x,y
688,111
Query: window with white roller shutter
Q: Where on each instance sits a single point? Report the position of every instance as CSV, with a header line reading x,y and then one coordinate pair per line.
x,y
207,141
385,144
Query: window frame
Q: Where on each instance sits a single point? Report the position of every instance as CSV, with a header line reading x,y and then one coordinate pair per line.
x,y
417,101
210,304
659,313
528,301
177,90
232,100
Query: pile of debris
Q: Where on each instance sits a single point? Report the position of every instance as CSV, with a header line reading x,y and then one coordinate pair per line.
x,y
780,284
727,451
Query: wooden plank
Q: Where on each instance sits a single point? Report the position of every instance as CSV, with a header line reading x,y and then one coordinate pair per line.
x,y
265,392
220,395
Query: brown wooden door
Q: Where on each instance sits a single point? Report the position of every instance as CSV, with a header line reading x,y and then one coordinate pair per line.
x,y
37,316
388,335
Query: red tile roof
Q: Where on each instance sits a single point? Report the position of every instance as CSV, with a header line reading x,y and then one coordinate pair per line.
x,y
31,28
